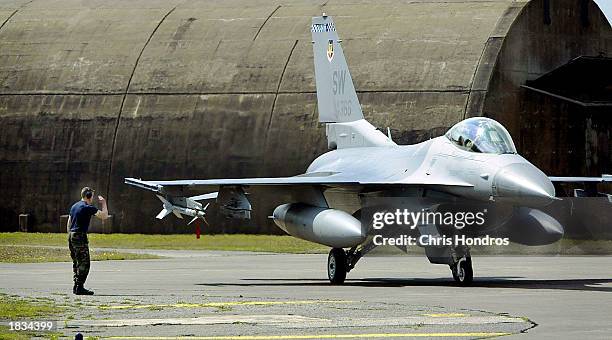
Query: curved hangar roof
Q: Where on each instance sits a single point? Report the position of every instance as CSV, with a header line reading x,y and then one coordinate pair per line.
x,y
94,91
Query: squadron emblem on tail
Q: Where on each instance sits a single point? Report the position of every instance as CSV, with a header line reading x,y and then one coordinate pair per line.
x,y
330,50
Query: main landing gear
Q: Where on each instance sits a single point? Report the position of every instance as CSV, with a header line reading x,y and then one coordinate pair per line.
x,y
340,262
336,266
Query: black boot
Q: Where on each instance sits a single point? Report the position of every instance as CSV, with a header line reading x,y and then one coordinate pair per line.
x,y
80,290
74,288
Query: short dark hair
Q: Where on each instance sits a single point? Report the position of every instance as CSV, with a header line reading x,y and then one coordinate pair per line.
x,y
87,192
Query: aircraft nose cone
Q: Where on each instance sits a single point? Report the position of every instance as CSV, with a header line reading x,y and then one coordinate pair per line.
x,y
524,184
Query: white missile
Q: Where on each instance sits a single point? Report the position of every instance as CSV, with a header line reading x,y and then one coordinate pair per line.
x,y
194,209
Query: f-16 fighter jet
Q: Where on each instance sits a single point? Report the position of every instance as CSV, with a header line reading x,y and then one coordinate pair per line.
x,y
475,161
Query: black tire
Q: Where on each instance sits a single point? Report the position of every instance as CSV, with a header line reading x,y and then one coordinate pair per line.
x,y
336,266
463,272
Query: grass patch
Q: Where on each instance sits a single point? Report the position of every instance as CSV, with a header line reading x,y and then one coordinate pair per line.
x,y
259,243
275,244
7,334
33,254
17,309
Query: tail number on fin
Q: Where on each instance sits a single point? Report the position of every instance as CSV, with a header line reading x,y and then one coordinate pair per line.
x,y
342,106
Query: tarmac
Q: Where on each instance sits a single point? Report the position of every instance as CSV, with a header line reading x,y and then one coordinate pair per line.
x,y
226,295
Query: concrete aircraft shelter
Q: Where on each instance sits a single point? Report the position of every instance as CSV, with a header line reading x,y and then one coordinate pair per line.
x,y
95,91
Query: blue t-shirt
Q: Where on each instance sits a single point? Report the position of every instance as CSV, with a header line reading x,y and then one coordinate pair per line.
x,y
80,215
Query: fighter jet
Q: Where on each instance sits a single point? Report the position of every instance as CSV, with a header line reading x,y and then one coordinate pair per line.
x,y
475,160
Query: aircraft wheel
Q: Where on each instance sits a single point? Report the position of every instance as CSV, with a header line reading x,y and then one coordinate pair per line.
x,y
336,266
463,272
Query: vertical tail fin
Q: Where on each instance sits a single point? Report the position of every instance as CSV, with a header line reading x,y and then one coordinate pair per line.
x,y
336,94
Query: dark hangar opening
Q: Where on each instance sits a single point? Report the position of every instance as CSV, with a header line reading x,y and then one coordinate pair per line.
x,y
584,81
579,93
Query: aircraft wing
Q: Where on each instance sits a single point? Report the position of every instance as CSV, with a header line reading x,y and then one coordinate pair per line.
x,y
327,179
158,186
589,184
173,196
602,179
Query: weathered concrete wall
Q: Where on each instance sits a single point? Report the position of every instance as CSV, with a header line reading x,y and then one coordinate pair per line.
x,y
563,139
64,67
94,91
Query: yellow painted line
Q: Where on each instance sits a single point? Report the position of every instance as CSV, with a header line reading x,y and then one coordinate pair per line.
x,y
225,304
317,336
446,315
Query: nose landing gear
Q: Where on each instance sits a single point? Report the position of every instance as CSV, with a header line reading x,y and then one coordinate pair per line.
x,y
462,271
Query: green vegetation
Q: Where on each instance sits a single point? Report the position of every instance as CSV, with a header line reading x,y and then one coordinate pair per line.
x,y
260,243
29,254
7,334
268,243
14,308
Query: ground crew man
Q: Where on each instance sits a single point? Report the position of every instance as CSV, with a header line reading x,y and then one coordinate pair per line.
x,y
78,224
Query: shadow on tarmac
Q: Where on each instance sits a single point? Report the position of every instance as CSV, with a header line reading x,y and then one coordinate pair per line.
x,y
593,285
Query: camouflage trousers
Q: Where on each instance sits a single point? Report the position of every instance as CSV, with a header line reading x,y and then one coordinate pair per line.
x,y
79,251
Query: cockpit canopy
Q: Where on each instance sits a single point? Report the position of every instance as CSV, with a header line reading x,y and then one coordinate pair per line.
x,y
483,135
